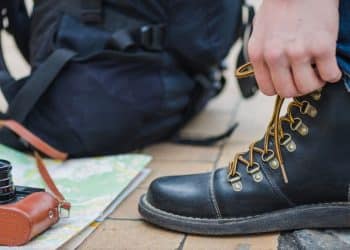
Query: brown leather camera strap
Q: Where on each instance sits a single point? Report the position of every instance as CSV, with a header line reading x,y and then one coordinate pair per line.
x,y
43,147
50,183
33,140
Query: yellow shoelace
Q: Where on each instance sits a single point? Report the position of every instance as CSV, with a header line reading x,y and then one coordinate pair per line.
x,y
275,130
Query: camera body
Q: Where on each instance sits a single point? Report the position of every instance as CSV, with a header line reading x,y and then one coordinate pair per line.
x,y
9,193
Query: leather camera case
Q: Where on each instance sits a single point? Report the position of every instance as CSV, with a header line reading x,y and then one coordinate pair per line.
x,y
23,220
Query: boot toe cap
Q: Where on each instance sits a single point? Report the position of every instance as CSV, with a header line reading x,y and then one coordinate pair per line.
x,y
182,195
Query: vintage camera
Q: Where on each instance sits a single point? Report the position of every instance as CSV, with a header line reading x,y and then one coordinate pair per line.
x,y
10,193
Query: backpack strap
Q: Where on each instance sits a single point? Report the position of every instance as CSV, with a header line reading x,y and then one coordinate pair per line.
x,y
91,11
38,83
248,86
207,141
209,86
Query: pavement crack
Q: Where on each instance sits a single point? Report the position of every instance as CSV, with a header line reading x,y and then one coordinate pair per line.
x,y
182,243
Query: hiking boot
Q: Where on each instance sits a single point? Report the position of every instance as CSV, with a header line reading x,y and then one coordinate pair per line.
x,y
295,177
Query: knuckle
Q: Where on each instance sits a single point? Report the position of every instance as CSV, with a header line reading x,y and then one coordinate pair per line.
x,y
273,55
296,54
323,49
254,52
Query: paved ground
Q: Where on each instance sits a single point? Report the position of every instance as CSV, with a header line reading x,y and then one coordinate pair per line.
x,y
124,229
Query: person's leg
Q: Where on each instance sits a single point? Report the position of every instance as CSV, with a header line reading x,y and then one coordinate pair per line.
x,y
294,177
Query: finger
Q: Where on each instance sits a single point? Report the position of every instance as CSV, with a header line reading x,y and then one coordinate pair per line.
x,y
328,68
281,75
262,74
306,78
264,80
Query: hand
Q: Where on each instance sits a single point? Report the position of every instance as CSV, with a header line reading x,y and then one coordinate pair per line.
x,y
293,46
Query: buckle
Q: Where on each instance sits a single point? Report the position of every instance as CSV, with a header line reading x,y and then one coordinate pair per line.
x,y
152,37
62,214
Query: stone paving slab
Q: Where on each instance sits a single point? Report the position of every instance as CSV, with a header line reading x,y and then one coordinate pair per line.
x,y
261,242
129,234
128,209
315,240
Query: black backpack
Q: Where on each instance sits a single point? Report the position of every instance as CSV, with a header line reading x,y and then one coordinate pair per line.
x,y
109,76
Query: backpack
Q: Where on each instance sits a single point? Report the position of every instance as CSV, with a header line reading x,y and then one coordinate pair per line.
x,y
110,76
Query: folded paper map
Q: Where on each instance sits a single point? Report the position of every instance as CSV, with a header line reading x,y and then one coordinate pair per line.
x,y
90,184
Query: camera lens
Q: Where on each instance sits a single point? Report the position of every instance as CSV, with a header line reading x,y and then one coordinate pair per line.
x,y
5,174
5,182
7,189
5,166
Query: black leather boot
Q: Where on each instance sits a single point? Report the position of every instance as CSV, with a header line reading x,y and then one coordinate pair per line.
x,y
297,176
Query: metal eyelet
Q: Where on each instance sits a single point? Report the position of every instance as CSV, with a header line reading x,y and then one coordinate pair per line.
x,y
316,95
288,143
255,172
236,182
51,214
299,126
271,159
308,109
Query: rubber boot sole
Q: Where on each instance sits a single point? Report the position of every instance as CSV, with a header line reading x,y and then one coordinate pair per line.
x,y
327,215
